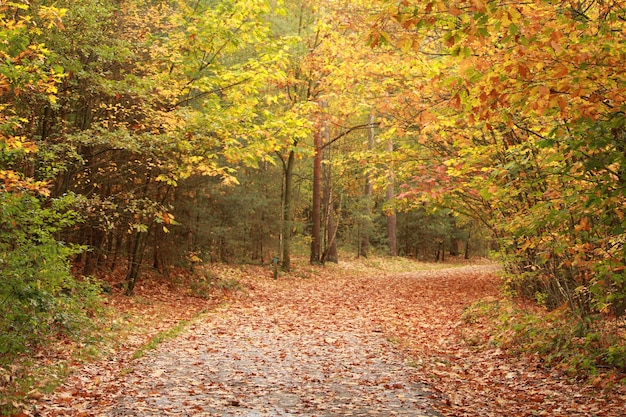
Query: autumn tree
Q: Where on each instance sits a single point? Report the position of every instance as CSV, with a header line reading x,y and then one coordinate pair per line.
x,y
146,104
40,297
346,80
523,106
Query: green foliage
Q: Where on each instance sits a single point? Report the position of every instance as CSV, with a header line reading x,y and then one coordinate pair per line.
x,y
580,347
161,337
39,298
523,107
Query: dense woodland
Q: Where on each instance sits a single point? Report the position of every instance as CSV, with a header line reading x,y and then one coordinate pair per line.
x,y
157,135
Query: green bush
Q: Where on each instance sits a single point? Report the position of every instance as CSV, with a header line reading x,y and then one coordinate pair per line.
x,y
581,347
39,297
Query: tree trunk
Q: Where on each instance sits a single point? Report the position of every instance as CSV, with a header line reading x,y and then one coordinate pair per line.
x,y
95,242
321,133
158,262
441,251
467,244
287,215
330,241
330,253
119,243
135,257
391,213
138,247
367,195
316,204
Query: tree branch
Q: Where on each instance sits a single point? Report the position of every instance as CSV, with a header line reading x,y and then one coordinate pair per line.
x,y
352,129
204,93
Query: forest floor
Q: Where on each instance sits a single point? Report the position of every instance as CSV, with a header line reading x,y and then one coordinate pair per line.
x,y
352,339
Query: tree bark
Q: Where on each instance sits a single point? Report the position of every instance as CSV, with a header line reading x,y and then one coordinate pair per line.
x,y
330,242
391,214
330,253
316,203
367,195
467,244
287,215
135,257
321,133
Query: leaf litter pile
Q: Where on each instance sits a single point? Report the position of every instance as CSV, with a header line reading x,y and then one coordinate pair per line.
x,y
333,341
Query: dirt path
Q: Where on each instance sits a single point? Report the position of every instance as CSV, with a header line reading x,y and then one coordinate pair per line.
x,y
293,347
334,344
255,362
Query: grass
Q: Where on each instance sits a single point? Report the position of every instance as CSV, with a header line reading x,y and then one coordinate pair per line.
x,y
161,337
389,265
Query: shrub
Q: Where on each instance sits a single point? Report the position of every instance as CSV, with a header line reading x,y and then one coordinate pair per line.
x,y
581,347
39,297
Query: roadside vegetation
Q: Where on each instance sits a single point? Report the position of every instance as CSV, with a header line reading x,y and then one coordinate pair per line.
x,y
153,151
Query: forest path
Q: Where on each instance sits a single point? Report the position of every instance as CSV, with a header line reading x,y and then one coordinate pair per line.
x,y
342,340
318,346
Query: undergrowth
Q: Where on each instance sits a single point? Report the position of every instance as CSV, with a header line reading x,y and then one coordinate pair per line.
x,y
590,349
205,281
38,370
43,307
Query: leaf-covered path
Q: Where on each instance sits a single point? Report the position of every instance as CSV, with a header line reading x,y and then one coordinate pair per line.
x,y
273,359
330,345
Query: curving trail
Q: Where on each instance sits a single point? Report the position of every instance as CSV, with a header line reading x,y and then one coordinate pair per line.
x,y
335,342
307,347
264,359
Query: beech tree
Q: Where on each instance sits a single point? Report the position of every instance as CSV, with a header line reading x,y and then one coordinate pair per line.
x,y
144,97
40,297
523,106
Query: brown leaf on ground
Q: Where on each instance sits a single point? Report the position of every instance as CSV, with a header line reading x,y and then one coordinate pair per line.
x,y
340,340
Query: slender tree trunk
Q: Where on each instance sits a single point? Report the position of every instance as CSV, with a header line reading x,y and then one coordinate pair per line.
x,y
367,195
138,247
321,133
330,242
135,258
95,242
441,250
330,253
287,215
119,242
467,244
316,204
391,214
158,262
